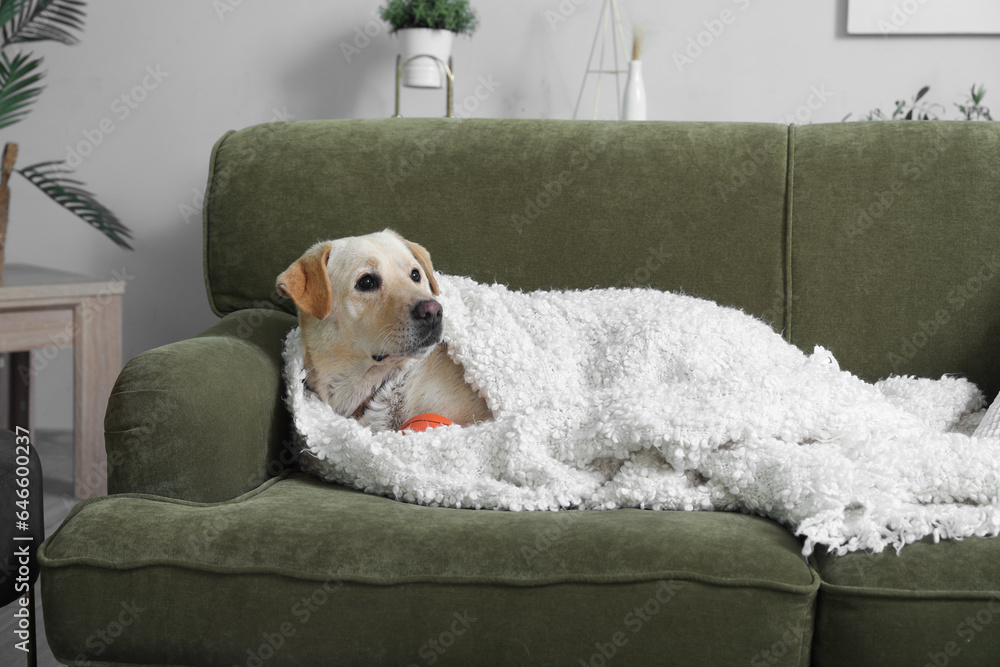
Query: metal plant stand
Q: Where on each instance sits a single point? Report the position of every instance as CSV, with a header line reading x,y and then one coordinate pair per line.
x,y
402,65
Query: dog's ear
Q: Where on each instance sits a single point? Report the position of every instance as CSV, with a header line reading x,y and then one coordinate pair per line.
x,y
307,283
423,258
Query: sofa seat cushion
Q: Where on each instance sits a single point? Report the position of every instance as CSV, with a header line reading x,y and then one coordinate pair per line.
x,y
932,604
303,572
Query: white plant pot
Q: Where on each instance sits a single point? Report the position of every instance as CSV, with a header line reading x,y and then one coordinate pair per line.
x,y
424,72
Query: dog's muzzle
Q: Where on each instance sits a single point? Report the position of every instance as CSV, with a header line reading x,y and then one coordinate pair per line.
x,y
428,318
427,323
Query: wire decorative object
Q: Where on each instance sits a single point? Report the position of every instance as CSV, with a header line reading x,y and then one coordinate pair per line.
x,y
610,21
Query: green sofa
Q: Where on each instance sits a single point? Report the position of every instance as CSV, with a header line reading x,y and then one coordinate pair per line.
x,y
878,241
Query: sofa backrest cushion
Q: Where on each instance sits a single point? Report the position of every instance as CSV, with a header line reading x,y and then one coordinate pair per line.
x,y
895,247
533,204
877,240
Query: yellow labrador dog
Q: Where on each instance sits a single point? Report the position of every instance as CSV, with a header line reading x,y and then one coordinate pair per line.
x,y
371,330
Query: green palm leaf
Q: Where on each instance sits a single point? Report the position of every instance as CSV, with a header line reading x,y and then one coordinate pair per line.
x,y
9,9
40,20
52,179
18,86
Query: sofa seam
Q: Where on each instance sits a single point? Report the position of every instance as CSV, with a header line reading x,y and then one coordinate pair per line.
x,y
206,200
789,189
907,594
43,558
812,613
797,590
73,662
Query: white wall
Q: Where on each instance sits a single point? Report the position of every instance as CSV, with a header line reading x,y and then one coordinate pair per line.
x,y
229,69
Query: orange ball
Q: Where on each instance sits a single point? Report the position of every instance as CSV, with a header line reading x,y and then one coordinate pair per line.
x,y
424,422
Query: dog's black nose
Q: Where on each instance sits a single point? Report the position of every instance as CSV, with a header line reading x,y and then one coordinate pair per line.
x,y
428,312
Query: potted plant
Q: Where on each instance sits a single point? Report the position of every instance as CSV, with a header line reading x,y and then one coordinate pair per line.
x,y
427,27
21,22
920,109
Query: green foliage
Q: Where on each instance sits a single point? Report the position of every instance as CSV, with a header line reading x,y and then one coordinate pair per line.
x,y
9,9
973,108
52,178
454,15
917,108
42,20
25,21
18,89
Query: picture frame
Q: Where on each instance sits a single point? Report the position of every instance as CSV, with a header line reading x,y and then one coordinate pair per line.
x,y
923,17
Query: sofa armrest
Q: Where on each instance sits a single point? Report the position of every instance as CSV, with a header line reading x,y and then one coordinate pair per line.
x,y
202,419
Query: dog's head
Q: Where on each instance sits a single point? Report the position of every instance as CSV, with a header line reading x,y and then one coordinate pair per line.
x,y
366,297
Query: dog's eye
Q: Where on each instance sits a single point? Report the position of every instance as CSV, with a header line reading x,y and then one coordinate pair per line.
x,y
415,275
367,283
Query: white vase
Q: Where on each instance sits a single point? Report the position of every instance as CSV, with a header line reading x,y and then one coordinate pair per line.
x,y
634,104
424,72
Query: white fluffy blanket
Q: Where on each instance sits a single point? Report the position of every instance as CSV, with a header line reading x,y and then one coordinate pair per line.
x,y
638,398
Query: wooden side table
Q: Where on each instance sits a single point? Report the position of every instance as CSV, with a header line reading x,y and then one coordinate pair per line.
x,y
42,310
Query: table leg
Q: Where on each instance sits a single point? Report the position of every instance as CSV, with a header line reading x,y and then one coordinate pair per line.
x,y
22,407
97,331
5,391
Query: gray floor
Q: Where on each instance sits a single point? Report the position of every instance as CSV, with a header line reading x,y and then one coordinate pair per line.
x,y
55,448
